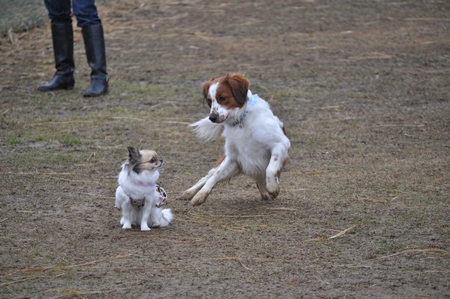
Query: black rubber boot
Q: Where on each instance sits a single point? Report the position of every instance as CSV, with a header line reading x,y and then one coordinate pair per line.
x,y
62,36
94,43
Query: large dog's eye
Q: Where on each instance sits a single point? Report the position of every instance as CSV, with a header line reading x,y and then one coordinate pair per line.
x,y
222,99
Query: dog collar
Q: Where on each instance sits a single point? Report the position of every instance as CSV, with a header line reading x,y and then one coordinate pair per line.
x,y
252,99
240,122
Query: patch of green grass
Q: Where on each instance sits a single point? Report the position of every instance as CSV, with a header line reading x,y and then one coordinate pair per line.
x,y
45,139
70,140
13,141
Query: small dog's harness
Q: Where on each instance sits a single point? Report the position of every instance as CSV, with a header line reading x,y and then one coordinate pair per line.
x,y
139,203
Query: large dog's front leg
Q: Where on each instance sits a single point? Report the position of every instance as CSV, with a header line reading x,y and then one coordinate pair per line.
x,y
225,170
273,171
189,193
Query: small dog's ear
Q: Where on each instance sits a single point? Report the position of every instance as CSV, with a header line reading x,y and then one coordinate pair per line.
x,y
239,86
134,154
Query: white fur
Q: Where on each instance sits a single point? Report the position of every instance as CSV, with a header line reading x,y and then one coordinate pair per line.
x,y
222,112
254,145
140,185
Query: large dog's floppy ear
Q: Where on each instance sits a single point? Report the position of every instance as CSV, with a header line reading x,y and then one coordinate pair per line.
x,y
205,90
134,154
239,86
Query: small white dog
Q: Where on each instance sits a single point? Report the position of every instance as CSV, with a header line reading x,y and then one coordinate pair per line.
x,y
137,195
255,142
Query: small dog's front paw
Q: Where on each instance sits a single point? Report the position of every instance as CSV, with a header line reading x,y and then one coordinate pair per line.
x,y
186,195
199,198
156,224
145,228
126,226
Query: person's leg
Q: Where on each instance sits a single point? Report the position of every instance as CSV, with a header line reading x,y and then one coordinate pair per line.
x,y
62,37
94,42
58,11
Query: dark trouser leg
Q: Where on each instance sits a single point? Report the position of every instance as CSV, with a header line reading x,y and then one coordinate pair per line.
x,y
94,43
62,36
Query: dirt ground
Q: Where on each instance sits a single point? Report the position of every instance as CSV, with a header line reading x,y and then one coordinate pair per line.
x,y
364,209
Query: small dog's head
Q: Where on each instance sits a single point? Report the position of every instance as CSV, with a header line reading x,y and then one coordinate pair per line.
x,y
224,95
142,160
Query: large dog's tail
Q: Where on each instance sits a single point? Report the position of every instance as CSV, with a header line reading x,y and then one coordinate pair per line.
x,y
207,130
167,217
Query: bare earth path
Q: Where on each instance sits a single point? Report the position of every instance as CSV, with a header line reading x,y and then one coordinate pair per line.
x,y
364,210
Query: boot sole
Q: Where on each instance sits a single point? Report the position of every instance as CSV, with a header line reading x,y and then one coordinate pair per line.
x,y
53,89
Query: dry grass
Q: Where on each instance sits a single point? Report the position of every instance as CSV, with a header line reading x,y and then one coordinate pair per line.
x,y
363,90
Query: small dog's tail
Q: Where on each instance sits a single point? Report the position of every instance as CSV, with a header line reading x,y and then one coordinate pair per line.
x,y
167,217
207,130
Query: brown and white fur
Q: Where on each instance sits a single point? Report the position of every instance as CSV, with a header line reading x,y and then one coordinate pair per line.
x,y
136,195
255,142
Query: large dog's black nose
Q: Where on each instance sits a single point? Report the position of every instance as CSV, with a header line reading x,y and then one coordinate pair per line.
x,y
213,118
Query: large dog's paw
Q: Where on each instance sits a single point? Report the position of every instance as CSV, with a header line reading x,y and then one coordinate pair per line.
x,y
199,198
273,188
186,195
269,195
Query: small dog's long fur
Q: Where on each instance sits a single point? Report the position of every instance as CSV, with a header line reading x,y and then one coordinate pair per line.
x,y
136,195
255,142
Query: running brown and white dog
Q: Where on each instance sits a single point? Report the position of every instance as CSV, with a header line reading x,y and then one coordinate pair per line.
x,y
137,195
255,141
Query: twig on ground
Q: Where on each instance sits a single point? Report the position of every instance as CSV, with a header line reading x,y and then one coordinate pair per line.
x,y
414,250
342,232
282,209
134,118
332,237
427,19
92,155
242,264
259,259
124,269
11,37
13,281
61,122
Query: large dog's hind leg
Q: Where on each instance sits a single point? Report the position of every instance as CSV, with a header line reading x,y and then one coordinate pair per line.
x,y
261,184
224,171
273,171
